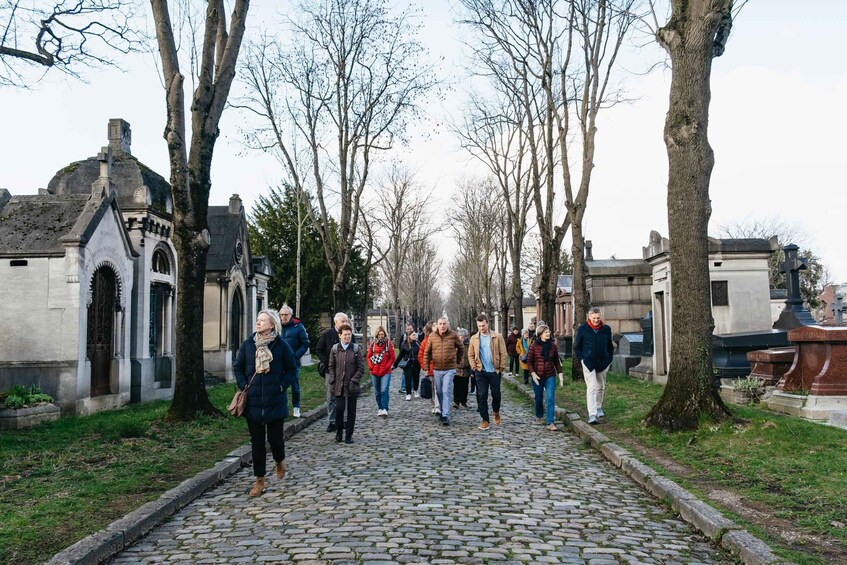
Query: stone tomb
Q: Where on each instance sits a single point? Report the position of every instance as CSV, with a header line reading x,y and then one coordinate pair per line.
x,y
770,365
816,384
628,354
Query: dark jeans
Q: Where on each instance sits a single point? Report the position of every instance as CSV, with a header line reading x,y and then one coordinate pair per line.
x,y
526,376
345,404
514,364
276,437
412,377
484,381
460,390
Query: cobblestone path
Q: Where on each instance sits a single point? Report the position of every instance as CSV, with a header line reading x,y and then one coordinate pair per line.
x,y
412,490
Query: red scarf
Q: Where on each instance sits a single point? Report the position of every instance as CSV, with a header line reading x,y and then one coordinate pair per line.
x,y
592,326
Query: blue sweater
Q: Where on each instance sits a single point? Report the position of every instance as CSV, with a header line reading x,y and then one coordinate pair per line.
x,y
594,348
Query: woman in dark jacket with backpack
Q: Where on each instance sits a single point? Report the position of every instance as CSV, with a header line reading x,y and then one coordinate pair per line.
x,y
544,364
263,363
593,346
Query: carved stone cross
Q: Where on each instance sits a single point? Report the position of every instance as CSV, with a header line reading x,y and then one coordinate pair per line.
x,y
794,314
838,310
792,267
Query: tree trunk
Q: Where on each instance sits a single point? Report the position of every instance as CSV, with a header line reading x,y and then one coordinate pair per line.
x,y
517,292
689,38
299,253
580,293
191,182
190,396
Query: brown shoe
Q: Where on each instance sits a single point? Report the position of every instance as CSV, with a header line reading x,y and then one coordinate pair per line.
x,y
497,419
280,469
258,487
484,425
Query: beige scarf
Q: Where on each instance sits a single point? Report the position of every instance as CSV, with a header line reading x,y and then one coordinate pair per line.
x,y
263,354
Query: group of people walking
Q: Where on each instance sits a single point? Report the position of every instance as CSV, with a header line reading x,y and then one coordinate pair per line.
x,y
441,364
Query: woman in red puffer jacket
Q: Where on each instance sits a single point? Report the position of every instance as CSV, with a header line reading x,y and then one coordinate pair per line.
x,y
380,359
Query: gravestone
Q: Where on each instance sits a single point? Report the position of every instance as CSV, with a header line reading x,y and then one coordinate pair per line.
x,y
794,315
644,369
628,354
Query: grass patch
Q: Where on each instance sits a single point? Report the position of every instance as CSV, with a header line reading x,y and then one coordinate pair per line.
x,y
796,468
64,480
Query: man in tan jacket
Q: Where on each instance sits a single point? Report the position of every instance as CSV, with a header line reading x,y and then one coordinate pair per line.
x,y
445,349
487,355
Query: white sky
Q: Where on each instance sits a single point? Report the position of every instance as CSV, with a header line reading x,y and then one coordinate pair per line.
x,y
778,118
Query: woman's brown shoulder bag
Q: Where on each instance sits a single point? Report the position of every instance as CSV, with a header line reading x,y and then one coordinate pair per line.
x,y
239,399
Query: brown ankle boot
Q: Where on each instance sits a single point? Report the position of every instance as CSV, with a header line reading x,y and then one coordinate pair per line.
x,y
258,487
279,467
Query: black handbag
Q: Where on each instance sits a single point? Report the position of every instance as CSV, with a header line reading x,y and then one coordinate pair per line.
x,y
426,387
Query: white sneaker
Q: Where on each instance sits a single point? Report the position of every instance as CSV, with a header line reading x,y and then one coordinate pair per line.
x,y
435,411
382,412
408,397
417,395
296,412
600,413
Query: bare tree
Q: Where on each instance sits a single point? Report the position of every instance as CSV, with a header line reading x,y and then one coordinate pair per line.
x,y
555,58
191,162
420,295
350,79
476,221
401,216
494,133
374,255
66,35
597,32
695,33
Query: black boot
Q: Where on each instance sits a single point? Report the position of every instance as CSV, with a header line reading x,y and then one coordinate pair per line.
x,y
337,437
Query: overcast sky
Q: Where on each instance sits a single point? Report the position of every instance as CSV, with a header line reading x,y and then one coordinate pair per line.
x,y
777,127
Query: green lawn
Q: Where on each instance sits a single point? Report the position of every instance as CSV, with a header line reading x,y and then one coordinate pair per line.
x,y
795,467
64,480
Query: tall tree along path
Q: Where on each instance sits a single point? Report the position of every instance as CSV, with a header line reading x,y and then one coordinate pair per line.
x,y
410,490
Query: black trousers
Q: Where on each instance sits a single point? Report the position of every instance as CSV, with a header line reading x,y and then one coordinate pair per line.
x,y
460,390
345,404
484,382
514,364
275,437
412,376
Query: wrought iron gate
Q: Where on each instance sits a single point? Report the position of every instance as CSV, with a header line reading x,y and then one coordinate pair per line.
x,y
101,319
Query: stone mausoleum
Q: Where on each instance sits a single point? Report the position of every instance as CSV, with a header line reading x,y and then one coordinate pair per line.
x,y
88,282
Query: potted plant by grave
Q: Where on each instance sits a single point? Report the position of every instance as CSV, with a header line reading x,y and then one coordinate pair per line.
x,y
748,389
22,407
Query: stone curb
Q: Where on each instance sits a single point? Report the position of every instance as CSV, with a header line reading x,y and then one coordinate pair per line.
x,y
122,533
727,534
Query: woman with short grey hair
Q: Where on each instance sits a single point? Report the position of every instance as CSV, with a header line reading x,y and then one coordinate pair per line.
x,y
263,362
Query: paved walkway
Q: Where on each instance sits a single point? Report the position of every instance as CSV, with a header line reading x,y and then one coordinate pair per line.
x,y
412,490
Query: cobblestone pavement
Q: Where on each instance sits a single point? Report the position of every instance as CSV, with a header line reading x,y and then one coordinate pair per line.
x,y
412,490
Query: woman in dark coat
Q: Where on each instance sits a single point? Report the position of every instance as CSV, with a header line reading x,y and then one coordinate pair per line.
x,y
593,347
346,367
265,361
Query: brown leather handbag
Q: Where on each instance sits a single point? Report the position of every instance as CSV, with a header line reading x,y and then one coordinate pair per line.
x,y
239,399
